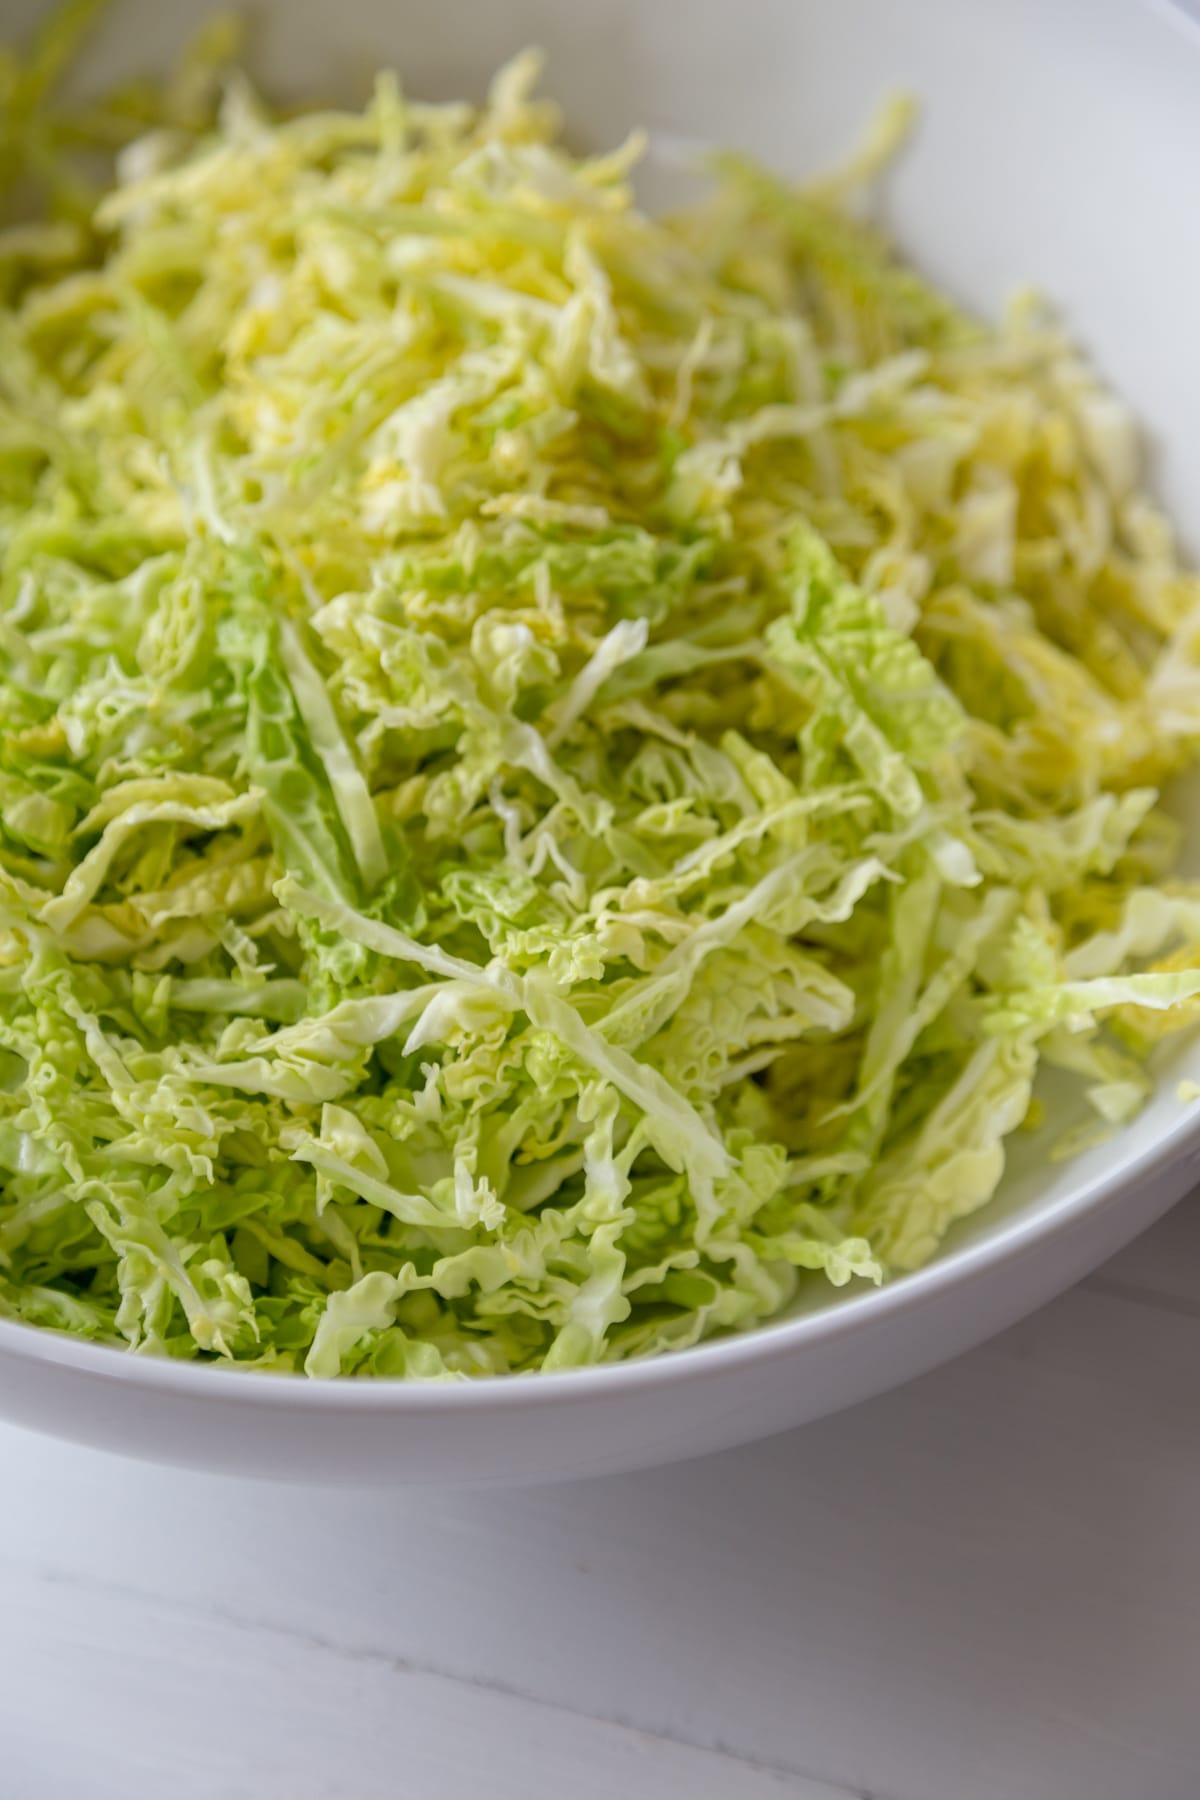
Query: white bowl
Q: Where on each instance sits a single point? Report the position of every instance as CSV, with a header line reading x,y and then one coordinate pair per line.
x,y
1061,145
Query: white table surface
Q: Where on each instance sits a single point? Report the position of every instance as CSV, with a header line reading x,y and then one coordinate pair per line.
x,y
985,1586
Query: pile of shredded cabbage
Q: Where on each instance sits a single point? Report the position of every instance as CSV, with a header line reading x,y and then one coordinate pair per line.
x,y
560,773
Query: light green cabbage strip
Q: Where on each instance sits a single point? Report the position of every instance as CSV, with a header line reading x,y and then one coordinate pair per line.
x,y
560,774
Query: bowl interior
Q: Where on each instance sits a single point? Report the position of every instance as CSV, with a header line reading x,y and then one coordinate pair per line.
x,y
1060,146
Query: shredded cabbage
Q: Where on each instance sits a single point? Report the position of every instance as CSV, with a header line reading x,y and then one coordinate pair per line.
x,y
560,773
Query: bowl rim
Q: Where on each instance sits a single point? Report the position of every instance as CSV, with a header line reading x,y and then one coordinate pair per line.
x,y
766,1343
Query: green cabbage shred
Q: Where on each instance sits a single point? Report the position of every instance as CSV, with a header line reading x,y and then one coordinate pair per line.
x,y
561,773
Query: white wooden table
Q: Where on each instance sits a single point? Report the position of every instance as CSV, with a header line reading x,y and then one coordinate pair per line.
x,y
983,1587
